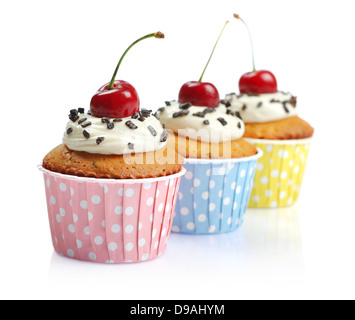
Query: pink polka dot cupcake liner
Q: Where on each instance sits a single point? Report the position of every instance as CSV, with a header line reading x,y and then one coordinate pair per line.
x,y
110,220
213,195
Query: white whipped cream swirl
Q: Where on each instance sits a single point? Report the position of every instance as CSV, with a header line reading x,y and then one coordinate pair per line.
x,y
212,125
141,133
264,107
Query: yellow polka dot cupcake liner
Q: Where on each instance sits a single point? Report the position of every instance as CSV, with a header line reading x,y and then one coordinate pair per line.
x,y
279,172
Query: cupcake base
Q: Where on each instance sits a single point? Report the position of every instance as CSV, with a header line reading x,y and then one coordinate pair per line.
x,y
279,173
110,221
214,195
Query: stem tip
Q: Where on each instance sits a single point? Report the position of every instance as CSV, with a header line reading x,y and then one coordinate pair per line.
x,y
159,35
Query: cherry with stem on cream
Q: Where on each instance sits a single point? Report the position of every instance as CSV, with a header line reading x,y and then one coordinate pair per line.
x,y
200,93
118,98
256,81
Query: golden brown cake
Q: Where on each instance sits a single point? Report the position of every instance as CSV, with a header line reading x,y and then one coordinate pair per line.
x,y
205,132
201,150
160,163
289,128
271,116
128,148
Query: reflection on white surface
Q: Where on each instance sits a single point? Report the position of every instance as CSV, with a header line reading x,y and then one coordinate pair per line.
x,y
266,249
268,242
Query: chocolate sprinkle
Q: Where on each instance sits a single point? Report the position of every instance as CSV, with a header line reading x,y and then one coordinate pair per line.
x,y
164,136
206,122
152,131
185,106
110,125
130,146
117,120
70,130
226,103
105,120
244,107
156,115
199,114
209,110
99,140
285,108
181,113
141,119
131,125
135,116
259,104
82,120
222,121
145,113
237,114
293,101
73,116
168,103
81,110
239,125
86,124
86,134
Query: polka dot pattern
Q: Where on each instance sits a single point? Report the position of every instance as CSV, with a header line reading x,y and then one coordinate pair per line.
x,y
213,197
279,174
110,221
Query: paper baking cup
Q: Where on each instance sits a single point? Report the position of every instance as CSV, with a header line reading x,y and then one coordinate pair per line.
x,y
110,221
214,195
279,172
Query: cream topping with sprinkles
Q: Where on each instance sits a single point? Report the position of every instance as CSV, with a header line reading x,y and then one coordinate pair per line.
x,y
264,107
140,133
213,125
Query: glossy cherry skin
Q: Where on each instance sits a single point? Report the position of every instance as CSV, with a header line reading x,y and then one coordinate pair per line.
x,y
121,101
257,82
203,94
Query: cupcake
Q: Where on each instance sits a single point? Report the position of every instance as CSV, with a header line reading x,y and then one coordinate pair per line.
x,y
272,124
112,185
220,164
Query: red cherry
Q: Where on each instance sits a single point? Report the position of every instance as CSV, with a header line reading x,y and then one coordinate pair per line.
x,y
258,82
199,94
118,99
120,102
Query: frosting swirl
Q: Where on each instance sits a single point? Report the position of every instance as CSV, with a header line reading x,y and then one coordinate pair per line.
x,y
140,133
264,107
213,125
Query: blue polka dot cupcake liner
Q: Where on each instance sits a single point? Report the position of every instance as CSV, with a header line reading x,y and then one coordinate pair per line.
x,y
214,195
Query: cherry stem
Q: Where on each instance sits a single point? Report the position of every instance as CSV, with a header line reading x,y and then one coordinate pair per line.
x,y
251,41
212,52
158,35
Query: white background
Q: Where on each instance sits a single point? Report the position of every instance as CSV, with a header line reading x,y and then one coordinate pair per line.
x,y
56,54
